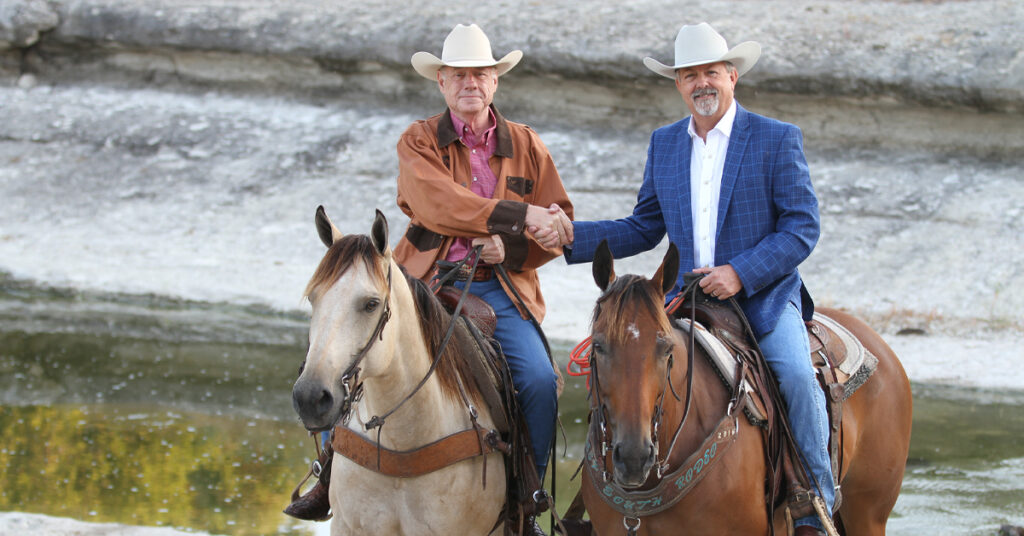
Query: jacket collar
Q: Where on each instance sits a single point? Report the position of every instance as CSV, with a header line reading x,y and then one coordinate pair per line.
x,y
446,133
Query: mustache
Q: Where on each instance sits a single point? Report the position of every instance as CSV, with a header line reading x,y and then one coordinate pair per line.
x,y
703,92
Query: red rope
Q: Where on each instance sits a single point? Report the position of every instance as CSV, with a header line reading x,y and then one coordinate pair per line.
x,y
579,360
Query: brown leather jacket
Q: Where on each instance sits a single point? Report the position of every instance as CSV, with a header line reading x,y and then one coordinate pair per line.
x,y
433,190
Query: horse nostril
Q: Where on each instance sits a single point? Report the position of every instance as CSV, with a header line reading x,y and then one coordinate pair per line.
x,y
324,402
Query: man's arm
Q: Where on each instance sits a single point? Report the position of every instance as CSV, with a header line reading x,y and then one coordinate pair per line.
x,y
640,231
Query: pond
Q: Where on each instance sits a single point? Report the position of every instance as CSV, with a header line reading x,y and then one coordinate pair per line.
x,y
201,436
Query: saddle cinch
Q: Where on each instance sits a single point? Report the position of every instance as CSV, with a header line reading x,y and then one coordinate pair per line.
x,y
842,363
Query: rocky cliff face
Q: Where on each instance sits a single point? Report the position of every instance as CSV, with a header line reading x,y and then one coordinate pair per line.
x,y
145,129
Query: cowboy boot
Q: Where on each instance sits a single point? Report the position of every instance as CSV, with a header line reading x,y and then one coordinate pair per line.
x,y
315,505
807,530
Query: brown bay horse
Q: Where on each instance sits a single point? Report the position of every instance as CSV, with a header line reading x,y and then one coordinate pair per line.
x,y
656,467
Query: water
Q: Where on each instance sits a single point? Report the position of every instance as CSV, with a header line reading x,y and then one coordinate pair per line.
x,y
200,435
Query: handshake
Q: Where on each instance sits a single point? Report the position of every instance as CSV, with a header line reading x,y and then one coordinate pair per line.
x,y
551,227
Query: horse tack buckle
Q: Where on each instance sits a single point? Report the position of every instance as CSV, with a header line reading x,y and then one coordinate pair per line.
x,y
631,530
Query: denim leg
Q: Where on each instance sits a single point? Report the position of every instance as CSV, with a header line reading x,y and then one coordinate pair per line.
x,y
786,350
535,381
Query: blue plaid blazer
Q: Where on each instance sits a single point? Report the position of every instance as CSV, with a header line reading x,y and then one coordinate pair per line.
x,y
767,214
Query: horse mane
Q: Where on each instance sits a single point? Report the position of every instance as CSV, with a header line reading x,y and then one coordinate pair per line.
x,y
624,299
434,320
433,317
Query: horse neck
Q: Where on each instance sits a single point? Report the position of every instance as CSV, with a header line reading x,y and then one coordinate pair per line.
x,y
708,405
429,414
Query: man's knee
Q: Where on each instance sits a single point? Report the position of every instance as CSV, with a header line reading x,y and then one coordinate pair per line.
x,y
537,382
796,379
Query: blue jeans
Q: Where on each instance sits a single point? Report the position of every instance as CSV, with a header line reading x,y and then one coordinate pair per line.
x,y
786,350
534,379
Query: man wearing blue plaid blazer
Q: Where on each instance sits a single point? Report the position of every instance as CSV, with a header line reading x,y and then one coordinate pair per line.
x,y
732,190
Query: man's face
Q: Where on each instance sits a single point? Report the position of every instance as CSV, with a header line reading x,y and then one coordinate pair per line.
x,y
707,89
468,90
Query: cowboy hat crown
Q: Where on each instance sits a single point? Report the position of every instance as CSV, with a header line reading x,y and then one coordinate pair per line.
x,y
465,46
699,45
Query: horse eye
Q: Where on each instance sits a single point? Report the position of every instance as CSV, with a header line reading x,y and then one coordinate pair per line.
x,y
371,305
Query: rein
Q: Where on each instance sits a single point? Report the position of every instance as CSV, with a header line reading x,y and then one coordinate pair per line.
x,y
444,452
378,420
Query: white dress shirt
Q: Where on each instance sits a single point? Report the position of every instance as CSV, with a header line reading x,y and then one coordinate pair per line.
x,y
707,160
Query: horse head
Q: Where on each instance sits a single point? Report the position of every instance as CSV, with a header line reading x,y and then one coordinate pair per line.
x,y
350,293
632,340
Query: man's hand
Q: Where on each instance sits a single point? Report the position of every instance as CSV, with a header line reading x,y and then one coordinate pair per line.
x,y
493,250
721,281
551,227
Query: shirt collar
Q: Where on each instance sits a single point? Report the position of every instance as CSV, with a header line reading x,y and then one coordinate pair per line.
x,y
724,124
462,129
446,132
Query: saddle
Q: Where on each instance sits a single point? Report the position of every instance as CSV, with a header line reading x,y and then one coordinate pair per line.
x,y
474,309
840,360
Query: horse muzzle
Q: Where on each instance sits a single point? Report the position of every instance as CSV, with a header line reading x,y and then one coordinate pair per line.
x,y
319,406
632,462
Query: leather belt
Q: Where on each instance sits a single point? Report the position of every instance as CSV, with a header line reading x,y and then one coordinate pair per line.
x,y
482,273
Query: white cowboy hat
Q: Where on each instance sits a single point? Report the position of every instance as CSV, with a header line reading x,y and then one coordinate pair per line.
x,y
700,45
465,46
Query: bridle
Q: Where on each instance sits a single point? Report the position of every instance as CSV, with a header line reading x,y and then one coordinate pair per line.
x,y
672,483
350,378
662,465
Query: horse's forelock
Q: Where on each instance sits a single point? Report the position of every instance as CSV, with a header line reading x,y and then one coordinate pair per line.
x,y
620,305
340,257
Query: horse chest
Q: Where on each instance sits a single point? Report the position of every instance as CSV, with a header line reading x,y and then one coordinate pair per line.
x,y
450,500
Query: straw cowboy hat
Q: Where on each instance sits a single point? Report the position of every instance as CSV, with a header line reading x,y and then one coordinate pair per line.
x,y
700,45
465,46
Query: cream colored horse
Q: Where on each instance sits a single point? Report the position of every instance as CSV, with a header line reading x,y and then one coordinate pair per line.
x,y
356,283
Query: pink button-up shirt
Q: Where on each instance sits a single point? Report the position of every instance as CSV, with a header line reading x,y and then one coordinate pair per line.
x,y
481,148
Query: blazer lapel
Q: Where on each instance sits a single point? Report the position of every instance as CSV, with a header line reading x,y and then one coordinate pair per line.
x,y
682,185
731,171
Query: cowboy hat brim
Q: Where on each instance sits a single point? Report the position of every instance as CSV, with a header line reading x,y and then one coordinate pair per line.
x,y
743,56
428,64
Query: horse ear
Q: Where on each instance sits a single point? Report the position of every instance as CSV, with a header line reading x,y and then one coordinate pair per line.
x,y
603,267
379,233
329,234
669,269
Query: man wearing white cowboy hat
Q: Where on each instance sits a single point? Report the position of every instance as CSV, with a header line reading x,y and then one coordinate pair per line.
x,y
468,177
732,190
